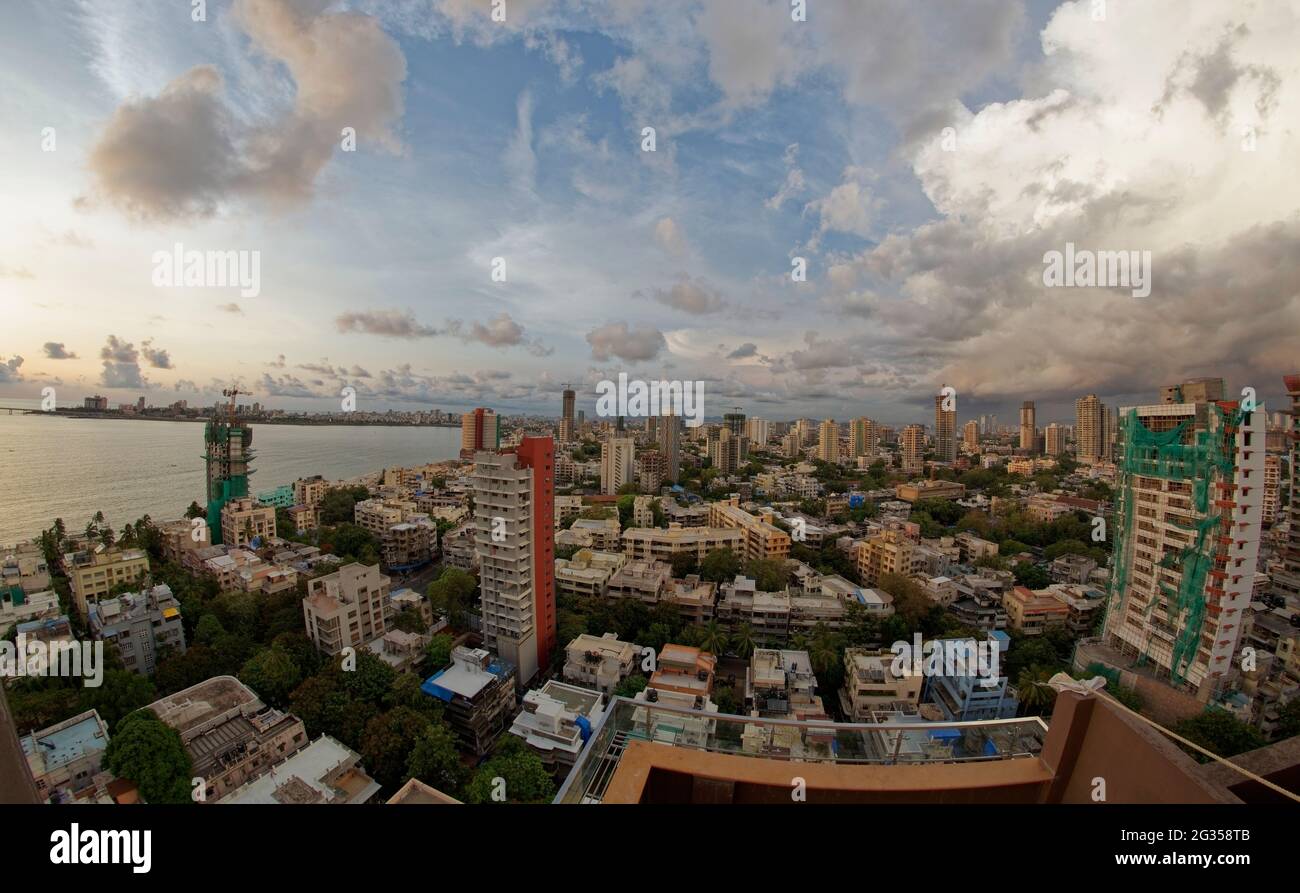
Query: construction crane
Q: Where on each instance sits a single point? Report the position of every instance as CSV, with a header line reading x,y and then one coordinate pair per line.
x,y
232,393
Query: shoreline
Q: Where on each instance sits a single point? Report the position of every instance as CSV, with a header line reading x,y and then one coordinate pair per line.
x,y
305,423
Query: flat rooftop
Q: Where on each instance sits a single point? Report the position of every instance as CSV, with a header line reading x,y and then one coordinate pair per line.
x,y
47,750
197,704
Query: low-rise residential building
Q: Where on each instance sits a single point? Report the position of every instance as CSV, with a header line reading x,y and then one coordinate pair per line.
x,y
963,697
870,684
937,489
556,721
246,521
566,507
18,606
587,573
23,565
399,649
600,533
766,613
600,662
1071,569
646,581
761,538
890,551
654,544
230,735
65,758
974,548
695,599
346,608
1034,612
478,692
142,626
325,771
1086,605
780,684
93,573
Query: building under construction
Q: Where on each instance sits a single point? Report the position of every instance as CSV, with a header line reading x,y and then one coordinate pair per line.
x,y
1191,487
228,445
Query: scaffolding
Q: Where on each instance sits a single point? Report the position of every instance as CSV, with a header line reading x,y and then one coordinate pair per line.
x,y
228,451
1204,460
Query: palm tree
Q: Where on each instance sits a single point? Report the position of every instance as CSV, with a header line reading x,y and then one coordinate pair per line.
x,y
1036,696
713,639
743,641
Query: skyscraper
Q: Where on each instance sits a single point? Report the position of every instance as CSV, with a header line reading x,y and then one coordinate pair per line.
x,y
478,431
566,416
970,436
1091,442
617,464
1286,582
758,430
945,431
1187,532
862,437
514,535
1028,427
913,449
670,444
1054,437
828,444
735,421
228,452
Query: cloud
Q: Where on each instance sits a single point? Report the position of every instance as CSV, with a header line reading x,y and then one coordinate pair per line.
x,y
669,237
794,180
158,359
55,350
184,153
746,350
232,307
388,323
618,340
10,371
15,273
501,331
520,159
121,365
848,208
691,296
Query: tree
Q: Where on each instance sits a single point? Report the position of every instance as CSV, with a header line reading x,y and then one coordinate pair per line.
x,y
742,641
631,686
523,777
435,761
769,574
720,565
195,511
149,752
910,601
1220,732
388,742
208,629
713,638
1031,575
273,674
438,653
450,595
120,693
1036,696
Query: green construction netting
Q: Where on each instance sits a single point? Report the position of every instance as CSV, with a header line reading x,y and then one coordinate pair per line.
x,y
1202,460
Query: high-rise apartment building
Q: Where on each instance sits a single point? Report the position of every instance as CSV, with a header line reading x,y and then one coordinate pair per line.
x,y
670,444
228,454
617,464
514,535
726,450
1028,427
1092,442
1286,582
1054,439
913,449
1187,532
862,437
758,431
1272,486
945,430
566,416
970,436
478,431
828,443
735,421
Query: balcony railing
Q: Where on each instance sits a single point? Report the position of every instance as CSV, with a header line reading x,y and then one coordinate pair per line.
x,y
881,743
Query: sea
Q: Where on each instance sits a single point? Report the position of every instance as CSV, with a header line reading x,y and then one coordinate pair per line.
x,y
57,467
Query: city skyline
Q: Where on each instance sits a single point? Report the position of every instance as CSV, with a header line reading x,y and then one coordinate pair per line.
x,y
523,140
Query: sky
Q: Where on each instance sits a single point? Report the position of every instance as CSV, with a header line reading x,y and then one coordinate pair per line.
x,y
917,159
